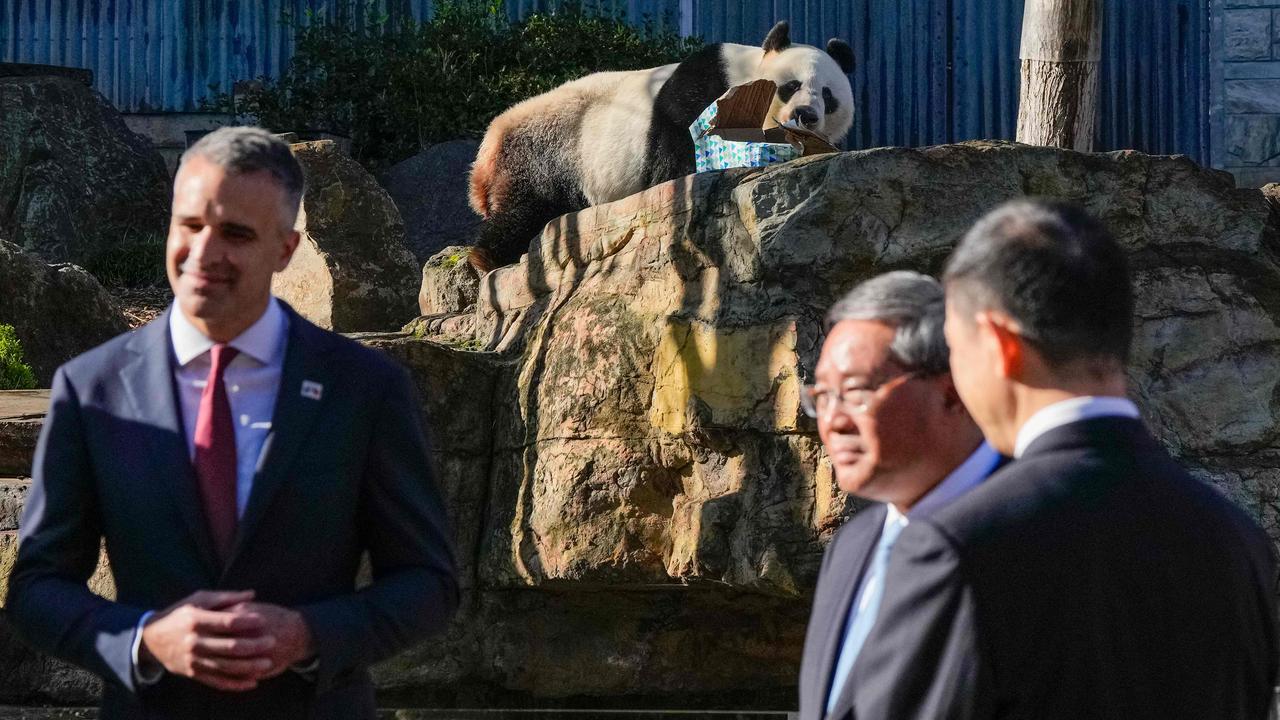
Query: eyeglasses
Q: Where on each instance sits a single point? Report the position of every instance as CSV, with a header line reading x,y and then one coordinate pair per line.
x,y
856,400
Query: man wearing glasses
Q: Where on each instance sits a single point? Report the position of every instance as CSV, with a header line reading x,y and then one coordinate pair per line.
x,y
897,433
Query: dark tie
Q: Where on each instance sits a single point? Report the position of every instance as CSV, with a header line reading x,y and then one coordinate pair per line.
x,y
215,459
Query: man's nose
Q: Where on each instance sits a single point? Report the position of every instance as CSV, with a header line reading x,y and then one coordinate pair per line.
x,y
203,246
838,418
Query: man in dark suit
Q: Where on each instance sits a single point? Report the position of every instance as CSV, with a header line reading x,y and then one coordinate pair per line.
x,y
1091,577
896,432
237,461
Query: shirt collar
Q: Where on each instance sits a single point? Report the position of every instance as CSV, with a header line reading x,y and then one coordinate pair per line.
x,y
263,340
1068,411
964,478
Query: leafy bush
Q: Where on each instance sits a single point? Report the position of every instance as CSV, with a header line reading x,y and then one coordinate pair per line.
x,y
395,87
14,374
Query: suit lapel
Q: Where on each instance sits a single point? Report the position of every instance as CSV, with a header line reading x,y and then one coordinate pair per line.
x,y
294,416
852,556
148,381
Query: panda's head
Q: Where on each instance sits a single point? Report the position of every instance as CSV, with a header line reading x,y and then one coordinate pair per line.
x,y
813,86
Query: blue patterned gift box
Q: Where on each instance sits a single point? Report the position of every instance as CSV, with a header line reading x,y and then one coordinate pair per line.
x,y
712,152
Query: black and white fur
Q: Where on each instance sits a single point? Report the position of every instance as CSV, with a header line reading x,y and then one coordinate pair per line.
x,y
608,135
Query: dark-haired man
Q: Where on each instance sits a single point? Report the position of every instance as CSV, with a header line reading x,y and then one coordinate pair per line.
x,y
1091,577
237,461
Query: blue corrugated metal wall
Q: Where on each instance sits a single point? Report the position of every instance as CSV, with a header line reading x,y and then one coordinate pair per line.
x,y
665,13
159,54
929,71
163,55
934,71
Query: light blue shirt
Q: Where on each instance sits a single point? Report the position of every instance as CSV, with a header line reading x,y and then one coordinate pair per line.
x,y
866,602
252,380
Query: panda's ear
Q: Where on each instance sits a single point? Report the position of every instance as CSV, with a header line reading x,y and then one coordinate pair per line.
x,y
840,51
778,39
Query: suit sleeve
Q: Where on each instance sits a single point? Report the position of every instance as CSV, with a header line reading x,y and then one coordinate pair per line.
x,y
414,591
49,602
923,658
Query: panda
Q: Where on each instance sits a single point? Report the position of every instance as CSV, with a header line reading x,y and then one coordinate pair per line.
x,y
612,134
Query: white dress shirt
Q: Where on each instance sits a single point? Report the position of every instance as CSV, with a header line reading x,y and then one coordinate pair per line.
x,y
252,380
1065,412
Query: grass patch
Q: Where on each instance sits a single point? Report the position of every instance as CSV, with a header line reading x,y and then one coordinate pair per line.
x,y
467,344
137,261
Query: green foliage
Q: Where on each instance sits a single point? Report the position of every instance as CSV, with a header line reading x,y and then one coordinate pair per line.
x,y
137,261
14,374
395,87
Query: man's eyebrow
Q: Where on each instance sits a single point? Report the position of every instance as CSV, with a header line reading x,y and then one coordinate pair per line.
x,y
237,227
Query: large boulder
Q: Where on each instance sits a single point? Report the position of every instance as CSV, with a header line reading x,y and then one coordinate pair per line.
x,y
58,311
430,189
74,181
648,434
351,272
449,283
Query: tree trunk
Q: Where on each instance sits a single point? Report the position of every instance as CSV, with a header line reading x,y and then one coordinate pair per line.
x,y
1058,99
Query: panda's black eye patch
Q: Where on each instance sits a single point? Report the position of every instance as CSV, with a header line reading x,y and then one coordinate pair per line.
x,y
829,102
788,89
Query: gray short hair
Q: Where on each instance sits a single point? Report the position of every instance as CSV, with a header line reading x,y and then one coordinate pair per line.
x,y
252,149
913,305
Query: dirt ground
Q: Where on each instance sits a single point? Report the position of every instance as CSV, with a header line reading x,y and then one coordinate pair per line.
x,y
142,305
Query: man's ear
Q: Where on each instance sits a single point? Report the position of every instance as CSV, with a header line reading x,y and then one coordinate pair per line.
x,y
950,396
1008,344
291,241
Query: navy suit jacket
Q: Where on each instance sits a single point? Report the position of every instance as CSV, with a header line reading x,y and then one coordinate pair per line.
x,y
843,566
1091,578
340,476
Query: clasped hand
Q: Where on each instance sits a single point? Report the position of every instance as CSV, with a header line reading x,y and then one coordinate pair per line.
x,y
225,640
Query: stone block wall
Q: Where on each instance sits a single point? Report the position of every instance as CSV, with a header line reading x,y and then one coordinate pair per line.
x,y
1245,87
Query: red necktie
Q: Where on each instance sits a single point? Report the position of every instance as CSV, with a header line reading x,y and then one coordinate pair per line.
x,y
215,459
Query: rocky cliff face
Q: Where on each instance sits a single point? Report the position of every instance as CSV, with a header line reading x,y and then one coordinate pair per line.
x,y
653,433
657,504
639,504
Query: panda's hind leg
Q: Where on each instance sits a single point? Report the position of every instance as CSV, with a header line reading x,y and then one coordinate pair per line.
x,y
508,232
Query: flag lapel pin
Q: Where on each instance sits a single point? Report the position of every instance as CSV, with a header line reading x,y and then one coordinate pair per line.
x,y
312,390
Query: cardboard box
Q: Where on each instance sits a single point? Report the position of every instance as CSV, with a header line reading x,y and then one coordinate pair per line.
x,y
738,131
